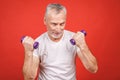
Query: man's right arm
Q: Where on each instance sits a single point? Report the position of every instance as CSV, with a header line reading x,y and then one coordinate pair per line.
x,y
31,62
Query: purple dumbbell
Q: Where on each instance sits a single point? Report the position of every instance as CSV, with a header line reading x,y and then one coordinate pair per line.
x,y
35,45
72,41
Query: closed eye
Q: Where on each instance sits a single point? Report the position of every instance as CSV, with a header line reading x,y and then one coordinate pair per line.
x,y
54,24
62,24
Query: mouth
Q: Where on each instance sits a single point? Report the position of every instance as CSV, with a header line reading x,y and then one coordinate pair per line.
x,y
57,33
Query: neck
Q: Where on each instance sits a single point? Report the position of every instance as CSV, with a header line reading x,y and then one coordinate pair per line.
x,y
55,39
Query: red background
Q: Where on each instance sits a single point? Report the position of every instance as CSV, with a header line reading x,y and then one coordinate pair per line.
x,y
100,18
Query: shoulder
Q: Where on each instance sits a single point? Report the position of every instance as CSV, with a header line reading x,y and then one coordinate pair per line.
x,y
68,33
41,37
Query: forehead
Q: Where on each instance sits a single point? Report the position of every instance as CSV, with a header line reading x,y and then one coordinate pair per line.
x,y
53,16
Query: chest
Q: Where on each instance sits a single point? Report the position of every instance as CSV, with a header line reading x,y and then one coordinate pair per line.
x,y
60,53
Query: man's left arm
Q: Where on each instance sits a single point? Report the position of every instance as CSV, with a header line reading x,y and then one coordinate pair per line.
x,y
89,61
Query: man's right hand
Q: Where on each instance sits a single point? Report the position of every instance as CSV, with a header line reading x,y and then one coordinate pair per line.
x,y
28,44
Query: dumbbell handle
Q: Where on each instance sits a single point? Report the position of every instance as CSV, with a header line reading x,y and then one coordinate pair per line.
x,y
72,41
35,45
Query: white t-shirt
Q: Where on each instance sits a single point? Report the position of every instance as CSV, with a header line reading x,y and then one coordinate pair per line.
x,y
57,59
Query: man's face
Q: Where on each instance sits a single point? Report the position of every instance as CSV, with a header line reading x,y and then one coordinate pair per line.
x,y
55,24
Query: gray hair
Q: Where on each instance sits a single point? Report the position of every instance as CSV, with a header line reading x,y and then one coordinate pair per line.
x,y
56,7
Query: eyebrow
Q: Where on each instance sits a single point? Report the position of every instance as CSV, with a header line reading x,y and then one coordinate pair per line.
x,y
62,22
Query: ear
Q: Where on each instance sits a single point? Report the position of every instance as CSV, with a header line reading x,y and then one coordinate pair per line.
x,y
44,20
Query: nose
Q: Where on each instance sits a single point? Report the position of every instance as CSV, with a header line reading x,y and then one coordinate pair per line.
x,y
58,28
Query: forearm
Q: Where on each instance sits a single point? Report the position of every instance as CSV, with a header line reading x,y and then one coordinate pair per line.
x,y
28,71
87,58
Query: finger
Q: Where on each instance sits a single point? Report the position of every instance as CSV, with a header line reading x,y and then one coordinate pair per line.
x,y
28,39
